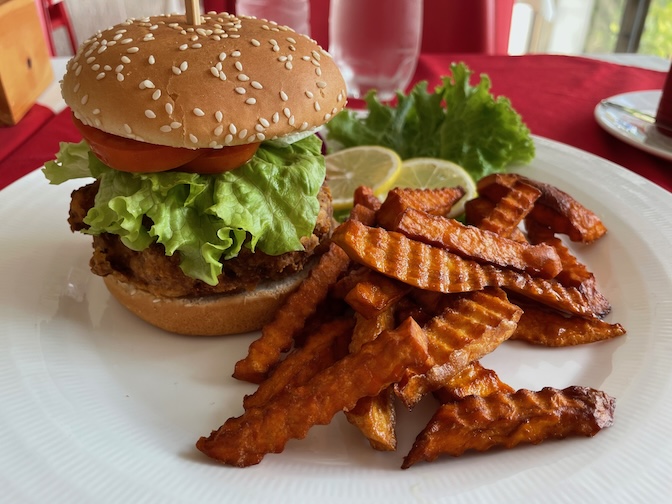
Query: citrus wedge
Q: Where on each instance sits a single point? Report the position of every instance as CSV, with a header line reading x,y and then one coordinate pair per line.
x,y
368,165
432,173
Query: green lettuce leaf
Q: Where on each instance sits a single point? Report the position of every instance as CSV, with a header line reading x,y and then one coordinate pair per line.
x,y
459,122
268,204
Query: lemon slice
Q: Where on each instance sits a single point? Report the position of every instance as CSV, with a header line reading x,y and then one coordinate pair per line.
x,y
369,165
432,173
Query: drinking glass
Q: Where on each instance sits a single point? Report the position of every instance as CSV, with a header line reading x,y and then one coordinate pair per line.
x,y
375,44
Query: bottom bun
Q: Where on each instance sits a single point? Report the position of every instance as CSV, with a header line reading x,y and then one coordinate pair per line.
x,y
216,315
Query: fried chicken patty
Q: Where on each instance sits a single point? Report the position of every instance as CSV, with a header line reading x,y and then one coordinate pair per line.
x,y
152,270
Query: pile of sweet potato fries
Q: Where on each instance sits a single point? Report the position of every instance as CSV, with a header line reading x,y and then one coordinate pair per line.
x,y
405,302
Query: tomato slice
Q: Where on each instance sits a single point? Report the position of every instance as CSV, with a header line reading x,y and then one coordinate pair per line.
x,y
221,160
128,155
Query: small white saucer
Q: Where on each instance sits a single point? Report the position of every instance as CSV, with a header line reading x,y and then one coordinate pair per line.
x,y
632,130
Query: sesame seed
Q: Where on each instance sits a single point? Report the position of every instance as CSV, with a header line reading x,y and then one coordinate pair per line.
x,y
100,76
282,58
219,116
256,85
291,40
197,45
264,122
243,77
283,96
259,128
287,112
76,88
95,67
222,56
261,137
117,36
239,66
169,108
233,129
175,124
292,48
184,47
327,116
102,49
222,76
126,41
165,129
146,84
119,68
235,54
90,60
316,55
176,70
132,50
276,48
309,94
193,138
291,121
125,59
183,66
304,126
242,134
315,62
214,145
156,95
78,71
84,99
151,59
197,111
150,114
228,139
276,117
96,111
240,90
120,77
318,72
321,84
255,42
193,38
288,65
218,66
218,130
214,71
127,129
317,106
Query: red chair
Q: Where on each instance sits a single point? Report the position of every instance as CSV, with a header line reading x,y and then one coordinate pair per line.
x,y
56,16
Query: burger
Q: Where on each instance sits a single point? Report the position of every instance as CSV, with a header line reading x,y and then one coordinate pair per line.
x,y
209,203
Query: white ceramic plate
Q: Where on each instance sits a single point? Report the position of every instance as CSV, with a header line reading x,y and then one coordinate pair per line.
x,y
96,406
632,130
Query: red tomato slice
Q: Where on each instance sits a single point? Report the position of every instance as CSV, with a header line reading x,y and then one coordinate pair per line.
x,y
128,155
221,160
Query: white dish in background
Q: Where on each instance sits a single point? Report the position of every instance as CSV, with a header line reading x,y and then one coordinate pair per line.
x,y
99,407
632,130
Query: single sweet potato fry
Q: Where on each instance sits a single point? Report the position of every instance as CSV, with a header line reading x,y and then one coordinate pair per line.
x,y
484,246
277,336
541,326
364,196
375,294
243,441
509,419
472,380
433,201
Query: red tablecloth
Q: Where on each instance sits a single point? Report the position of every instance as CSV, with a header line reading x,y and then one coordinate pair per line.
x,y
556,96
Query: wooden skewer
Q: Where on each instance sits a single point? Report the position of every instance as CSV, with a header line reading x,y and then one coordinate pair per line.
x,y
193,9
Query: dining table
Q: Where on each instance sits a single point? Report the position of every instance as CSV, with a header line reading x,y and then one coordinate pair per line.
x,y
98,406
555,95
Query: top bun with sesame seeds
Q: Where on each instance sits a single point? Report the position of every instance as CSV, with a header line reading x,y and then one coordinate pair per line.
x,y
210,204
228,81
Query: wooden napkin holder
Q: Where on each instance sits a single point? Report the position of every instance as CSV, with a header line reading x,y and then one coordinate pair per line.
x,y
25,70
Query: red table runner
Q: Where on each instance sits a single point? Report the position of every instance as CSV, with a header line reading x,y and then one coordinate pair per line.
x,y
556,96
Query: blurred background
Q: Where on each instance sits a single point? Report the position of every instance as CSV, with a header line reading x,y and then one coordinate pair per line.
x,y
536,26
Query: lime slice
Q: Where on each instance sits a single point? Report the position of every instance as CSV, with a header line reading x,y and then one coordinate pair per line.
x,y
433,173
368,165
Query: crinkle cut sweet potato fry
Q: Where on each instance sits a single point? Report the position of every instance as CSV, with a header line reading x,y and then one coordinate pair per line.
x,y
364,196
277,336
433,201
472,380
476,210
554,208
322,348
512,203
375,294
545,327
374,416
482,245
509,419
243,441
432,268
476,324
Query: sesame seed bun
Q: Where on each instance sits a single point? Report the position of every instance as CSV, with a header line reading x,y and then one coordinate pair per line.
x,y
229,81
217,315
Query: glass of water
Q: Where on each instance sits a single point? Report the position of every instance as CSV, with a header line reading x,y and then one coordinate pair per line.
x,y
375,44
